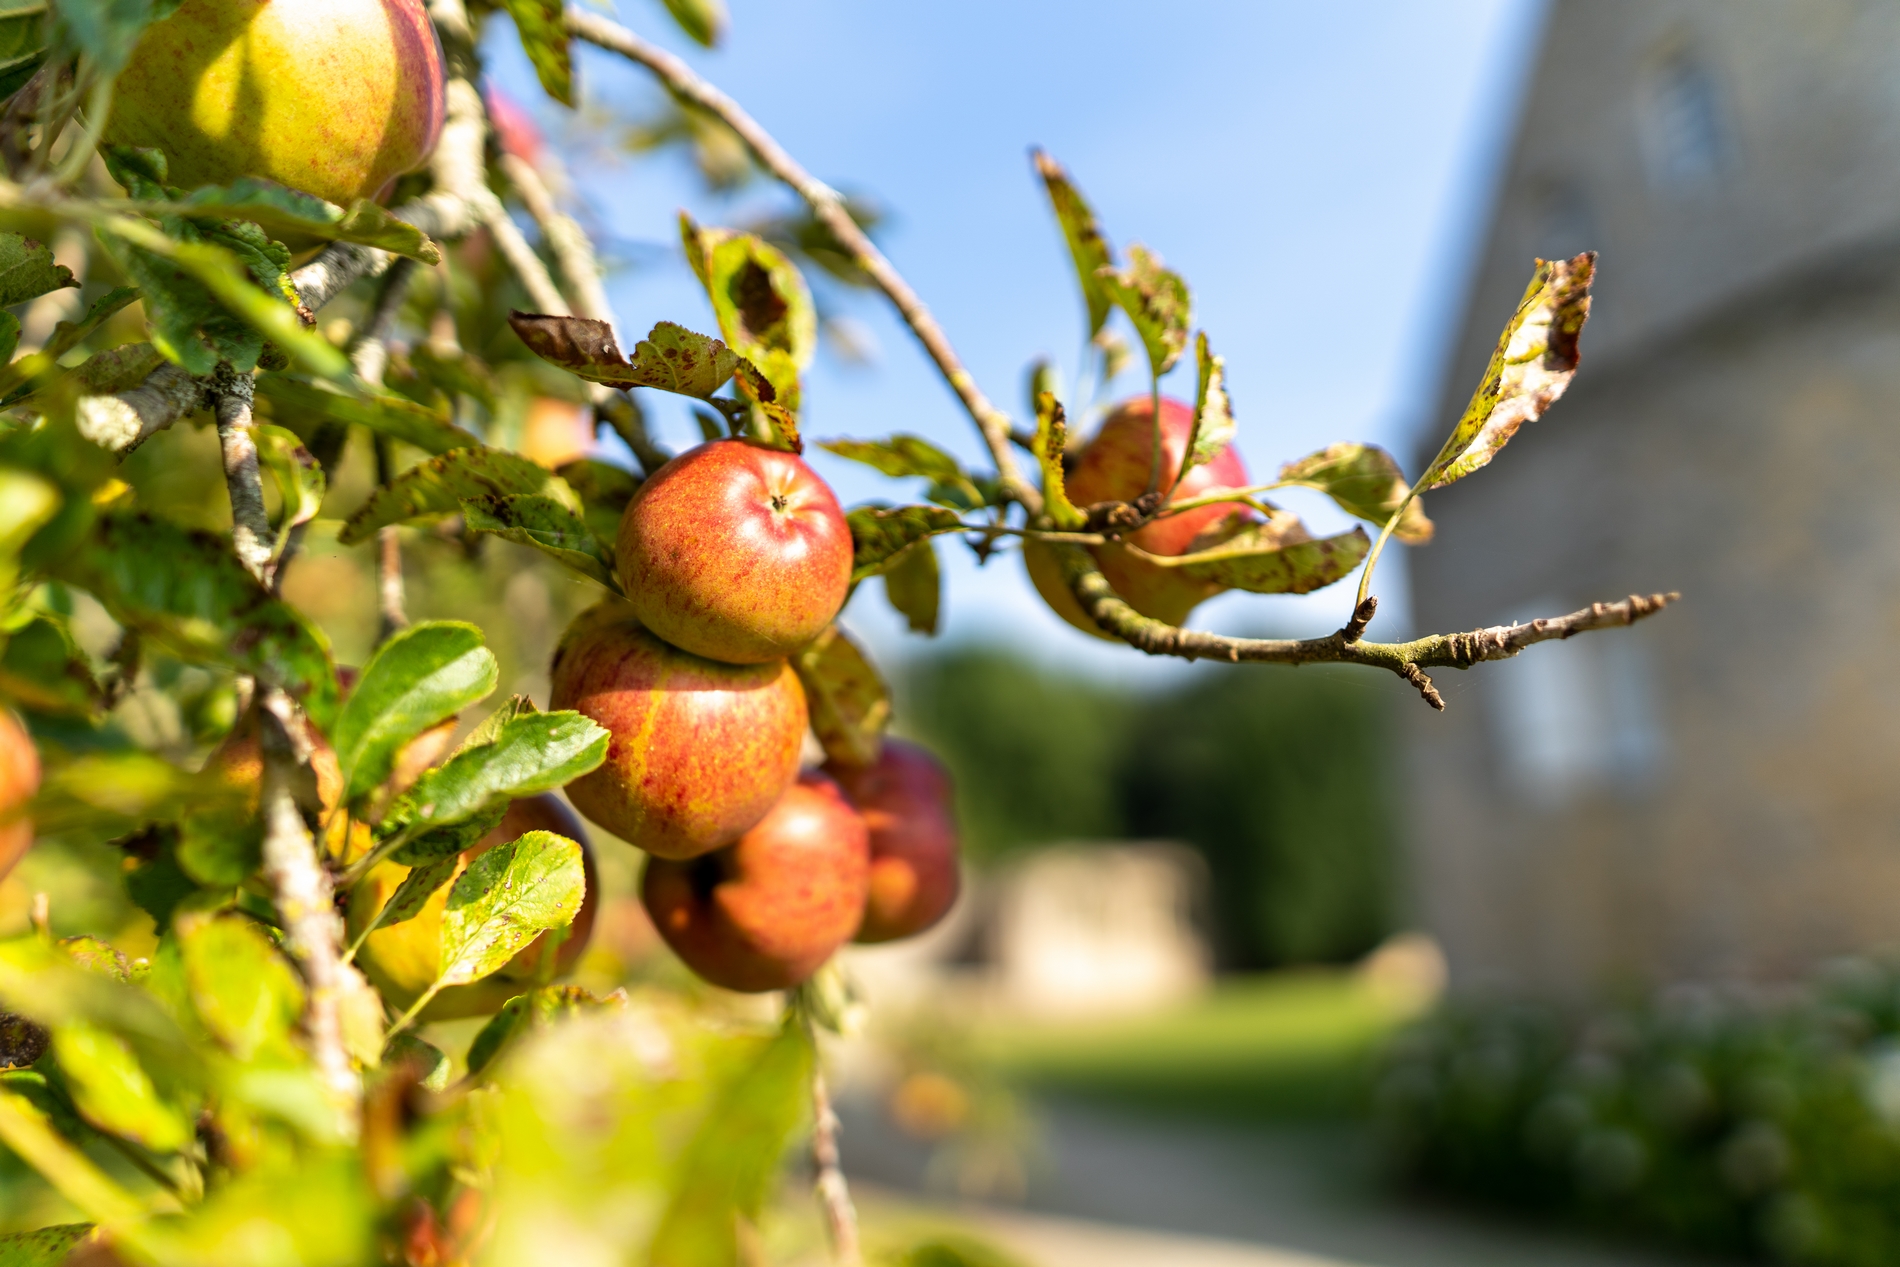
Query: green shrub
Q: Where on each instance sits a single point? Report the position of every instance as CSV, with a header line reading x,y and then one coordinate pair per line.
x,y
1722,1120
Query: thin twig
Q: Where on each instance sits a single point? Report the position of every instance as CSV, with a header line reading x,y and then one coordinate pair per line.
x,y
1407,659
302,891
829,209
231,397
573,252
390,602
834,1195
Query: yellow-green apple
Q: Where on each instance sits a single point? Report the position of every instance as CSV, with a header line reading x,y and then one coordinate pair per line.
x,y
735,552
765,912
333,97
905,799
1115,466
403,959
698,751
19,782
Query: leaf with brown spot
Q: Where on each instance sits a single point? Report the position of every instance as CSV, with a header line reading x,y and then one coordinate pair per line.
x,y
1052,436
509,896
671,357
761,301
440,485
1535,360
1213,411
1366,482
1271,558
880,533
850,705
1156,301
1087,247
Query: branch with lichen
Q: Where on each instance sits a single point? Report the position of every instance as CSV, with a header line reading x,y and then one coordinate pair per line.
x,y
1408,660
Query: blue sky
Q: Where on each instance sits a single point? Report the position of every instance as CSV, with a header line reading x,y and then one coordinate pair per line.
x,y
1318,173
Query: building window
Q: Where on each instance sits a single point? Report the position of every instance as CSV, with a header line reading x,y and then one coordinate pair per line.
x,y
1577,717
1686,129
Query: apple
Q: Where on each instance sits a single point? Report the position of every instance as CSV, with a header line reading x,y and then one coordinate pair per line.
x,y
19,783
333,97
735,552
699,749
403,959
906,800
1115,465
764,913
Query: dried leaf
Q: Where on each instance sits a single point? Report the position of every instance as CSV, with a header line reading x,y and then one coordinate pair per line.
x,y
671,357
1366,482
1536,358
850,704
764,310
1087,247
1156,301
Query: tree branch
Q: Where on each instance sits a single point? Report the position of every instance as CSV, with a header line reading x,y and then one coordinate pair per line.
x,y
124,421
828,207
834,1195
1408,660
231,397
573,252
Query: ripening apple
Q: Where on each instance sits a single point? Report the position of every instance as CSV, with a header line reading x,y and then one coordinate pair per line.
x,y
736,552
698,751
906,801
1115,465
765,912
403,959
19,782
333,97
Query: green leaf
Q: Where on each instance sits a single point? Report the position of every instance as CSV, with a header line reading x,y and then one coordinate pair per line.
x,y
440,485
27,504
66,336
304,405
453,372
1052,437
433,1066
548,526
533,752
107,794
729,1167
526,1012
45,1247
1366,482
287,213
605,491
902,456
437,843
850,704
9,335
117,369
702,20
187,322
27,270
421,677
415,891
22,43
763,307
543,34
880,533
1156,301
243,990
1213,412
44,670
671,357
1535,360
186,591
112,1091
107,30
509,896
914,587
1275,558
299,480
1087,247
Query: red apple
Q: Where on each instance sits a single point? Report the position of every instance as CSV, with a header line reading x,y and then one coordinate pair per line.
x,y
905,798
1115,465
736,552
19,783
700,750
403,959
764,913
333,97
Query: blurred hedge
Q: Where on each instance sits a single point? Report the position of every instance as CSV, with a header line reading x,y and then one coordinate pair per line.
x,y
1722,1121
1279,778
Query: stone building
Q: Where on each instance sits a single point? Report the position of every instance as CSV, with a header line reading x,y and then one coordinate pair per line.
x,y
1714,795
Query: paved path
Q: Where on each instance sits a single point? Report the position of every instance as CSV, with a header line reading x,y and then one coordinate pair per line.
x,y
1118,1189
